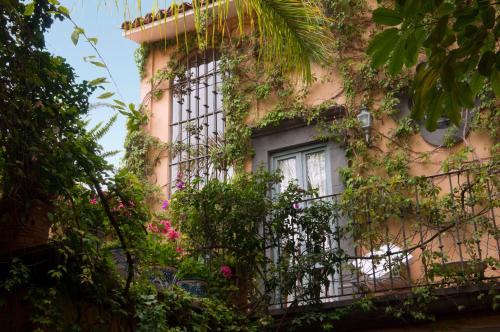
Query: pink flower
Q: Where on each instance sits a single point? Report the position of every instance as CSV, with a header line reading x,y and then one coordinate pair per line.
x,y
121,206
179,250
93,200
296,205
226,271
131,203
172,234
164,205
166,226
152,228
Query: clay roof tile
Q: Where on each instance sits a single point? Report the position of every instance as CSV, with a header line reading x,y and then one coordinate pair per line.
x,y
161,14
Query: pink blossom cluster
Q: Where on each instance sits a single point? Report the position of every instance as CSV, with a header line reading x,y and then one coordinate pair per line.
x,y
165,229
226,271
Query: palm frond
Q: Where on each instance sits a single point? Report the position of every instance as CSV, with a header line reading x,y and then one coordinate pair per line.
x,y
296,31
111,153
100,130
292,30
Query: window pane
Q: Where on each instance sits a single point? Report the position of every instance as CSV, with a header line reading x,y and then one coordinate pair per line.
x,y
194,104
288,169
316,172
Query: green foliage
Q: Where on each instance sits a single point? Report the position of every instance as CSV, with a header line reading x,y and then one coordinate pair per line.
x,y
191,267
141,54
186,313
450,78
221,219
346,21
151,314
18,275
236,105
303,34
406,128
142,152
44,146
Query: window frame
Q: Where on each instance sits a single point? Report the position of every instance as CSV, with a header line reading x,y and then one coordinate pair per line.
x,y
201,106
300,154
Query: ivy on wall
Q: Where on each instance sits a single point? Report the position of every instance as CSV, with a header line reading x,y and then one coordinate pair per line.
x,y
386,164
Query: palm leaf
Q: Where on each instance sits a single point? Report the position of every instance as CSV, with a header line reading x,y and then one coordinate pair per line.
x,y
295,30
111,153
100,130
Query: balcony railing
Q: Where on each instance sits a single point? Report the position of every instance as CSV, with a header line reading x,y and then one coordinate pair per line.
x,y
440,231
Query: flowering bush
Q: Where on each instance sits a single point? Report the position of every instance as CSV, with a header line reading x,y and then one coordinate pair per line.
x,y
226,271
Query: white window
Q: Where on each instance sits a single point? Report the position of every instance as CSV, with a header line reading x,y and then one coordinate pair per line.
x,y
198,119
307,167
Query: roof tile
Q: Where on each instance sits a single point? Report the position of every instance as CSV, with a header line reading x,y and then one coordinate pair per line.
x,y
159,15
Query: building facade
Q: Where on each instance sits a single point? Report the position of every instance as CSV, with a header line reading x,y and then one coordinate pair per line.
x,y
186,98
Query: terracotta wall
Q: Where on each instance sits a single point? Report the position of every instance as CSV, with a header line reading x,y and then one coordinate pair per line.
x,y
160,112
329,86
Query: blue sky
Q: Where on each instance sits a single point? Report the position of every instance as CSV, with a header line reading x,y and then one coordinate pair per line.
x,y
102,19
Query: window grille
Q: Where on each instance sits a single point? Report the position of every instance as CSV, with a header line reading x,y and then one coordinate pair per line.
x,y
198,119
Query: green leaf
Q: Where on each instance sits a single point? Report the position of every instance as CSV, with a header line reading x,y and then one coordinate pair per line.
x,y
476,83
119,102
496,31
447,74
127,114
411,50
486,63
464,95
437,33
106,95
381,39
93,40
29,9
386,16
98,81
445,9
488,17
488,43
495,82
397,58
464,16
411,7
434,112
428,82
381,46
98,64
63,10
76,35
452,108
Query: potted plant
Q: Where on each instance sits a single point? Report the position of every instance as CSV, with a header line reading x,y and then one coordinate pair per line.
x,y
192,276
164,263
119,258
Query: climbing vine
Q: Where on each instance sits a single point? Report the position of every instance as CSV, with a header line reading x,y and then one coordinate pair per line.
x,y
379,174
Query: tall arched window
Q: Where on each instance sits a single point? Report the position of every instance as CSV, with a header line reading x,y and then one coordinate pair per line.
x,y
198,120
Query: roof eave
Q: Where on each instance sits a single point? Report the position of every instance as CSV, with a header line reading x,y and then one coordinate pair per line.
x,y
169,27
